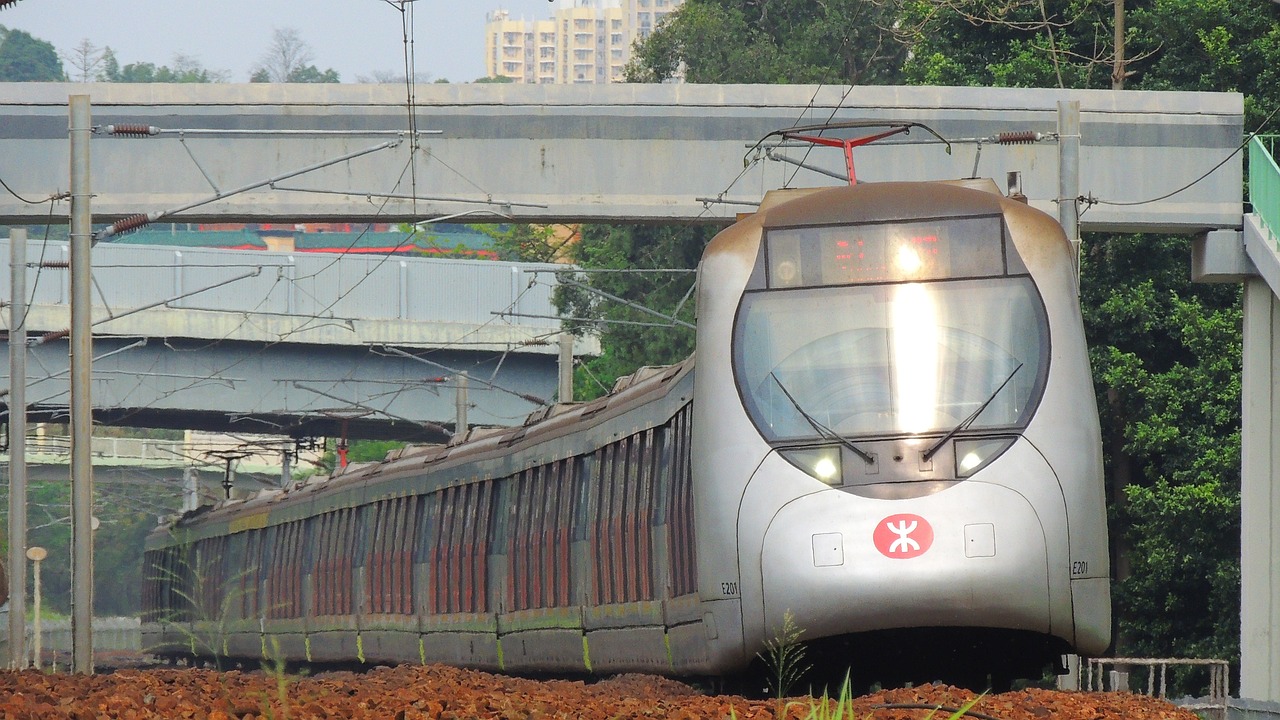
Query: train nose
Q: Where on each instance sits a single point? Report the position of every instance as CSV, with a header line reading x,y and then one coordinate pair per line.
x,y
973,555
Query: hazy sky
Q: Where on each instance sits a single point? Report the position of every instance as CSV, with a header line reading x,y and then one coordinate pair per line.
x,y
355,37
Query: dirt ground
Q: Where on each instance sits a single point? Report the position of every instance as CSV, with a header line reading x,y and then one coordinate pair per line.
x,y
412,692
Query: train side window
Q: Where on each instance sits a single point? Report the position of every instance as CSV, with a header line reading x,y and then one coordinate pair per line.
x,y
433,537
583,468
376,576
485,504
411,517
320,571
541,536
249,576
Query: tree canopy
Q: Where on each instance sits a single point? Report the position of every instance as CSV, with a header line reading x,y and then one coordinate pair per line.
x,y
23,58
288,60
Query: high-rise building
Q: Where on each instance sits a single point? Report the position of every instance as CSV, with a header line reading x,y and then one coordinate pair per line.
x,y
585,41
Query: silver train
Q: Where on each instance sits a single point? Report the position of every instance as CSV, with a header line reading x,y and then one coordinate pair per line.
x,y
890,438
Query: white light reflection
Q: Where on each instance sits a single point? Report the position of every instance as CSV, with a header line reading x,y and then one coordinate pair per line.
x,y
908,260
915,355
825,469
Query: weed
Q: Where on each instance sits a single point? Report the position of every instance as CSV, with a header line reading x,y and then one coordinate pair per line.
x,y
783,656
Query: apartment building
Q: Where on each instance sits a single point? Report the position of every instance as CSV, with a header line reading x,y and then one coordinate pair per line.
x,y
584,41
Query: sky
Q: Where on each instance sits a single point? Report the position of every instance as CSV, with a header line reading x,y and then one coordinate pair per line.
x,y
358,38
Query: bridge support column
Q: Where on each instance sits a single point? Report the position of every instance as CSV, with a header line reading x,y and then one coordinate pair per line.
x,y
1260,496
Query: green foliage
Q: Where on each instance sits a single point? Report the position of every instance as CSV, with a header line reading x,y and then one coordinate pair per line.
x,y
357,451
630,337
798,41
184,70
497,79
118,542
23,58
522,242
1166,359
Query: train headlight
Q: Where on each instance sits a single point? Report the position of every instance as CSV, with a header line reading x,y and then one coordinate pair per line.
x,y
973,455
822,463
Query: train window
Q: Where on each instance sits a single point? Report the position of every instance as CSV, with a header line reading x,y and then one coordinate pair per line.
x,y
886,360
584,467
885,252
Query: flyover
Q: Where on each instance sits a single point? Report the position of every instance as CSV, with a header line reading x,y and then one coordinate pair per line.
x,y
597,152
305,344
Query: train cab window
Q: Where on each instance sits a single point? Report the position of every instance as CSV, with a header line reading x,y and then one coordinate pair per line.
x,y
924,324
886,252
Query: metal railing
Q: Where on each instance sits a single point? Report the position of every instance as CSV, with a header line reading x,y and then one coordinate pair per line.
x,y
1215,702
1264,182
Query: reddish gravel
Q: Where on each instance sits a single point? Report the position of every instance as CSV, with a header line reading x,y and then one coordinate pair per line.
x,y
409,692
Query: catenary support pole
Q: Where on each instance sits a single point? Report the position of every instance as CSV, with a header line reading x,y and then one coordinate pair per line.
x,y
1069,175
81,405
566,367
460,403
17,449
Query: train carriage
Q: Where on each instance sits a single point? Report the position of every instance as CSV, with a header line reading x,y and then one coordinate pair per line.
x,y
890,436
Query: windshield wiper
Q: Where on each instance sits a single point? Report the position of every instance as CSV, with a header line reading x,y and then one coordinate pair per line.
x,y
969,420
823,430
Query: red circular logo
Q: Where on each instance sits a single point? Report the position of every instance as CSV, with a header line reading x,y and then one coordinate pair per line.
x,y
903,536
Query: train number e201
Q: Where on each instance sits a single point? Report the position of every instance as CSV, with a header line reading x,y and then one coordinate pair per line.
x,y
1079,568
729,589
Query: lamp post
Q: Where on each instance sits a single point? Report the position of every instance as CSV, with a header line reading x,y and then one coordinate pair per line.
x,y
36,554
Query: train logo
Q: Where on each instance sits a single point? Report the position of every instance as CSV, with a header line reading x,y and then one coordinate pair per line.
x,y
903,536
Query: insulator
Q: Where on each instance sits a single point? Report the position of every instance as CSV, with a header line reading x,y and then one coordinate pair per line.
x,y
132,130
56,264
1019,137
55,335
133,222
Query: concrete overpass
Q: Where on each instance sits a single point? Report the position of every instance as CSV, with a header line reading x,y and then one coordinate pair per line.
x,y
595,153
304,344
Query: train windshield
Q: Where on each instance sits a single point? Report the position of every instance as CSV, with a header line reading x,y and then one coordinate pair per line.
x,y
891,359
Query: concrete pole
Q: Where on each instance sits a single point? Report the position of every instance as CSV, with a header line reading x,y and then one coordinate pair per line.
x,y
190,490
1260,496
460,402
1069,175
566,368
81,404
286,467
17,450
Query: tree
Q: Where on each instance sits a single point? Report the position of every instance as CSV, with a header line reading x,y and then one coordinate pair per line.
x,y
1166,360
798,41
522,242
630,337
87,59
185,69
288,60
26,59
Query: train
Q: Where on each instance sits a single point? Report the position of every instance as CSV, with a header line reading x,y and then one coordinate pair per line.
x,y
886,440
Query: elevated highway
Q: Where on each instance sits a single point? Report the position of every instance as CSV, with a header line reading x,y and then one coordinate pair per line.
x,y
301,344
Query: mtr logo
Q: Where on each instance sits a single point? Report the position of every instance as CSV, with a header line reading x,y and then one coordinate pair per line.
x,y
903,536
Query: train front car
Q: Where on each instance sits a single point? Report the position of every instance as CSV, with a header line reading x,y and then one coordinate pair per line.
x,y
896,437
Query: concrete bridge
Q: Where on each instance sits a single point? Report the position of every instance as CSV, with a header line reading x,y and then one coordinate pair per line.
x,y
301,344
596,153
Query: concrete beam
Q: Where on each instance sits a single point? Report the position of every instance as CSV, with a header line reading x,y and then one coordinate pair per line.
x,y
603,152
